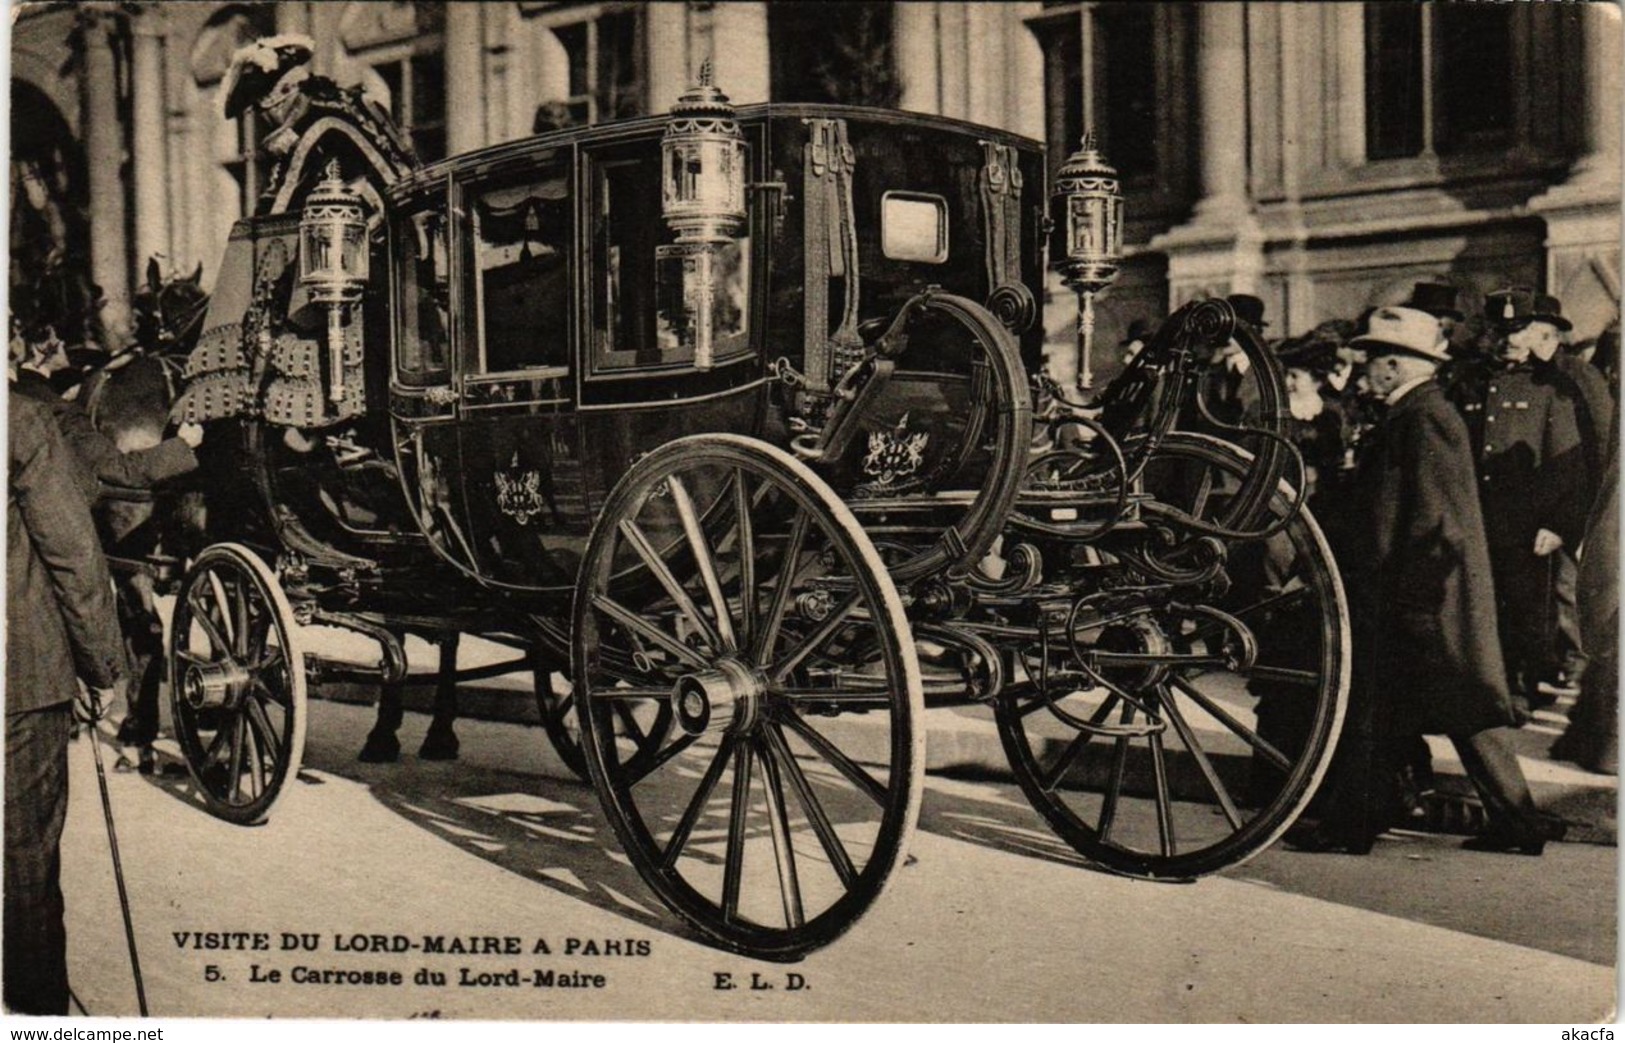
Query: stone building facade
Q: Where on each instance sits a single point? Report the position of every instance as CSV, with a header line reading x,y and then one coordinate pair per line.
x,y
1322,156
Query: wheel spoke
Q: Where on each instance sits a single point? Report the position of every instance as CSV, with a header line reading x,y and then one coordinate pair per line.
x,y
703,560
217,587
682,743
1114,782
816,815
821,633
562,712
239,726
633,728
1204,489
1064,763
840,761
275,695
211,630
697,803
1251,738
781,588
1159,775
273,742
627,618
685,604
1188,737
1076,748
733,869
778,828
256,763
747,560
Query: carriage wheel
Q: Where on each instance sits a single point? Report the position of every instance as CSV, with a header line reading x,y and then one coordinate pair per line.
x,y
782,800
1172,773
237,692
559,720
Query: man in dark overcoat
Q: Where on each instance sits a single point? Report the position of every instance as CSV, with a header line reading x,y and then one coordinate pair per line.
x,y
1531,476
102,465
60,625
1426,653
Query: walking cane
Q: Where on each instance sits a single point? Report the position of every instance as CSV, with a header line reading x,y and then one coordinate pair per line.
x,y
112,843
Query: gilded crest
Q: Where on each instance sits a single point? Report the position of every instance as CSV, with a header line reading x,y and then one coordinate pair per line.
x,y
519,493
895,454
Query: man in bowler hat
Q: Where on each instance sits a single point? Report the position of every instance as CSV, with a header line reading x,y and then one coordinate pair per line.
x,y
1426,654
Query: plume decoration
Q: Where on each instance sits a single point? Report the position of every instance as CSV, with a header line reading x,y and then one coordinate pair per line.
x,y
257,66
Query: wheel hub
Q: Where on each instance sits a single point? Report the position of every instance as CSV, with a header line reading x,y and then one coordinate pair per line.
x,y
1138,637
727,698
214,685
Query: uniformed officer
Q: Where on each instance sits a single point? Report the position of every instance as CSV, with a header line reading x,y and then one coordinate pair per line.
x,y
1587,391
1531,470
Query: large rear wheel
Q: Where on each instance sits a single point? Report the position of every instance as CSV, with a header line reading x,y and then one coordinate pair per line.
x,y
1175,769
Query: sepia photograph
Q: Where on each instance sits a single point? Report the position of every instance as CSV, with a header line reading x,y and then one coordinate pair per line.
x,y
1098,511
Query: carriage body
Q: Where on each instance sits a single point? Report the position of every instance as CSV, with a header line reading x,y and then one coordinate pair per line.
x,y
737,485
520,343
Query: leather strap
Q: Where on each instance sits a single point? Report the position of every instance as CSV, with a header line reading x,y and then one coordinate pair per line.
x,y
830,249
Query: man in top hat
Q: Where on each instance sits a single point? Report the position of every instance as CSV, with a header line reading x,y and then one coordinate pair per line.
x,y
1438,299
1524,426
1426,655
1230,390
1139,334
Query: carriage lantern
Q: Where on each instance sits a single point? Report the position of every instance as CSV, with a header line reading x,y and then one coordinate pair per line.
x,y
1090,202
702,195
333,260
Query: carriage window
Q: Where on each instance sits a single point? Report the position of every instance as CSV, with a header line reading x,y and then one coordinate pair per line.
x,y
644,287
914,227
521,244
423,349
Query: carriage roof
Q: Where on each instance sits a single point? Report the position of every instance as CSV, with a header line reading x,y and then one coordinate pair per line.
x,y
644,126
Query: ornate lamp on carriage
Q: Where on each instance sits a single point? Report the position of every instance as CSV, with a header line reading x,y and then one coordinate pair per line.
x,y
1087,205
702,198
333,261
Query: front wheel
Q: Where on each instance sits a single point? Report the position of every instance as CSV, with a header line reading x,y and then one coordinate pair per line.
x,y
725,585
237,689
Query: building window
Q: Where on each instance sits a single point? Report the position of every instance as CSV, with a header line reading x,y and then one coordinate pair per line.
x,y
846,60
403,44
604,63
1439,78
417,100
1120,70
236,143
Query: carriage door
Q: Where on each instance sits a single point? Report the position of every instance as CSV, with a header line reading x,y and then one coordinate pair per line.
x,y
522,470
422,399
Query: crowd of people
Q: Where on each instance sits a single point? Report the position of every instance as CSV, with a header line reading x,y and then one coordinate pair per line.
x,y
1464,472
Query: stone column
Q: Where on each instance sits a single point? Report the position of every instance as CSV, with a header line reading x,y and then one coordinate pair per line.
x,y
1220,250
151,162
671,66
740,51
914,42
104,149
465,70
1582,214
1221,69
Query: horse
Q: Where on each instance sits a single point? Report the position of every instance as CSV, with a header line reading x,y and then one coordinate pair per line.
x,y
130,397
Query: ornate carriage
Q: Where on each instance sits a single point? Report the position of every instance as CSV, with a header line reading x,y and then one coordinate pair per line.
x,y
738,419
